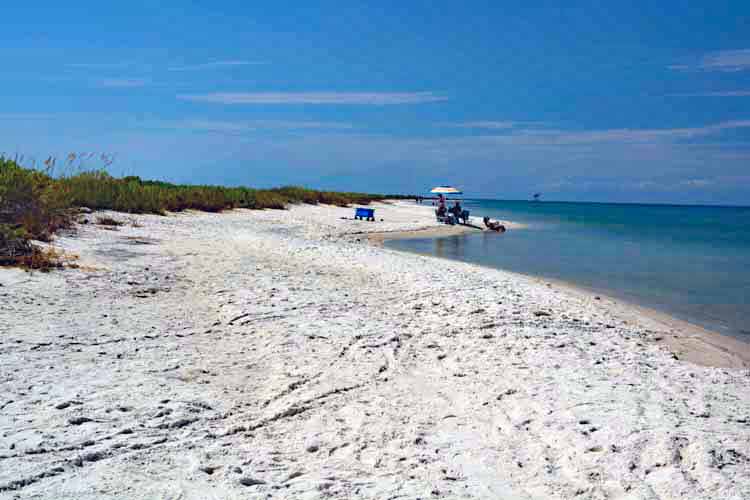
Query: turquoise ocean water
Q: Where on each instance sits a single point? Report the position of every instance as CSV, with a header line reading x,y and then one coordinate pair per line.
x,y
692,262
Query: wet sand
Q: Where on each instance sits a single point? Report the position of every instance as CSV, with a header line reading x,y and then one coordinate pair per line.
x,y
688,341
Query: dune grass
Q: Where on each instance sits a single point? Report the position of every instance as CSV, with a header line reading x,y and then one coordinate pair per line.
x,y
34,204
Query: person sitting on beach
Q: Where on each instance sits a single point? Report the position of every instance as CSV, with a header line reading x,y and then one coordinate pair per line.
x,y
456,209
493,225
464,216
460,214
441,210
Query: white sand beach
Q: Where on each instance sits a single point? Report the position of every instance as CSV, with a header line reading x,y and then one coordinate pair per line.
x,y
282,354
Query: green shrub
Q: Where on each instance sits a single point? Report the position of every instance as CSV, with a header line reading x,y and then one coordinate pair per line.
x,y
32,200
34,204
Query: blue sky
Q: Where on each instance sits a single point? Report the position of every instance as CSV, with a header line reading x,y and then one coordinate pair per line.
x,y
641,103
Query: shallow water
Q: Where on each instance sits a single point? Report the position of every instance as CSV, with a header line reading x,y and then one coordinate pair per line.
x,y
690,261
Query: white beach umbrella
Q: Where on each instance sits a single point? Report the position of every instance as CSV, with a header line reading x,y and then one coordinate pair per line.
x,y
445,190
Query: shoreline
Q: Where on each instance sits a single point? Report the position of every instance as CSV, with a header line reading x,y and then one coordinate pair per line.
x,y
687,340
434,230
380,238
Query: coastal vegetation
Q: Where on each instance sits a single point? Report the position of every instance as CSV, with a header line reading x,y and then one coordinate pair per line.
x,y
35,203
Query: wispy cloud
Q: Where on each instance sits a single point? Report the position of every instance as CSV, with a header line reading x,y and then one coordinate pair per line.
x,y
529,136
214,65
300,125
508,125
672,184
237,127
725,93
724,60
697,183
364,98
564,137
27,116
692,183
103,65
489,125
122,82
223,127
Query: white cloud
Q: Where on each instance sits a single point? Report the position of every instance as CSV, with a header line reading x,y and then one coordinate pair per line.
x,y
526,138
728,60
213,65
504,125
27,116
108,65
122,82
281,124
235,127
697,183
726,93
563,137
206,126
485,124
366,98
724,60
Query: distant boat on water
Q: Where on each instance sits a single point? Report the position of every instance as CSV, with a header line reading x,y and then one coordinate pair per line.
x,y
537,196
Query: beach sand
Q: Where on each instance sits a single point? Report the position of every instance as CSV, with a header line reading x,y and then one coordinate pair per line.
x,y
281,354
